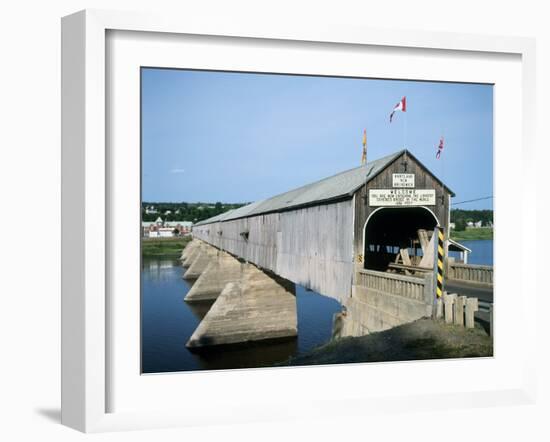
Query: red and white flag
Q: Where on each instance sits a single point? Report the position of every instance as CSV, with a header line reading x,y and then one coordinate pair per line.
x,y
439,148
401,106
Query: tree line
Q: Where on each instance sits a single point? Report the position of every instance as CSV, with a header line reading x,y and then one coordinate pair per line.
x,y
184,211
461,217
200,211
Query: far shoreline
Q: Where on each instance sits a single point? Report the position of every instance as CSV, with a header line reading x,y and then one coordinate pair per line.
x,y
170,247
473,234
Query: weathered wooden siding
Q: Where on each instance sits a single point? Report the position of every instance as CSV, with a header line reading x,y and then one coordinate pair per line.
x,y
423,180
312,246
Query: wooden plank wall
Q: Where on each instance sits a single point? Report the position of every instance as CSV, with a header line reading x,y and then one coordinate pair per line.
x,y
312,246
423,180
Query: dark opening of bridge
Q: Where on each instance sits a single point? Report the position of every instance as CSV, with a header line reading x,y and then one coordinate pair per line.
x,y
388,230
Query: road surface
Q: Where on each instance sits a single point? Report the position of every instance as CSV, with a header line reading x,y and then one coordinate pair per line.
x,y
471,290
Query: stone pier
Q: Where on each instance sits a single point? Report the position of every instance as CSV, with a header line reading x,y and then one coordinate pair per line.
x,y
257,307
221,270
203,255
188,249
192,255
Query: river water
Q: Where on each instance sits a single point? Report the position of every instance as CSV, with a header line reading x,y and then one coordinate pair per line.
x,y
482,251
167,322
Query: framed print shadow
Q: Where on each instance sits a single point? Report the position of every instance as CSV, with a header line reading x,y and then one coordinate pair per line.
x,y
250,213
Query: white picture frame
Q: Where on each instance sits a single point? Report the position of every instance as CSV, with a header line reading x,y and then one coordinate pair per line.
x,y
85,209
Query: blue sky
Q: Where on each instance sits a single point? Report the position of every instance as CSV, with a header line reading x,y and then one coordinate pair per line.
x,y
239,137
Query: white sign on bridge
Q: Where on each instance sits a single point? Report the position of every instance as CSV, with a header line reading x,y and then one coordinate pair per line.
x,y
402,197
403,180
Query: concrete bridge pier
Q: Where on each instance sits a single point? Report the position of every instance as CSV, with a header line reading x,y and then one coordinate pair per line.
x,y
192,254
188,249
259,306
221,270
202,256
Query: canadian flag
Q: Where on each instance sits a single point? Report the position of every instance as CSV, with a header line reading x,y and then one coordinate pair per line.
x,y
401,106
439,148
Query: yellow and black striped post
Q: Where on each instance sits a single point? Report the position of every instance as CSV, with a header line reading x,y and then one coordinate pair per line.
x,y
440,258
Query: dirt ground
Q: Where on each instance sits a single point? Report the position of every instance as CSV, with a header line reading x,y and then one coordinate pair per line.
x,y
422,339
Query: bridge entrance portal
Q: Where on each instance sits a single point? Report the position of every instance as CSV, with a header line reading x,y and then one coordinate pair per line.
x,y
397,235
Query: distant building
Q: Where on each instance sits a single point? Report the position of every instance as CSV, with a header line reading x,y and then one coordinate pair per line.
x,y
477,224
183,227
150,210
452,226
165,232
146,227
160,228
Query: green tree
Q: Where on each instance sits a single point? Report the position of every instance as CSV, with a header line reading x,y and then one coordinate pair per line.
x,y
460,225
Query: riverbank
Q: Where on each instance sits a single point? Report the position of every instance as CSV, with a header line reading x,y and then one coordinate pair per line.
x,y
164,247
422,339
472,234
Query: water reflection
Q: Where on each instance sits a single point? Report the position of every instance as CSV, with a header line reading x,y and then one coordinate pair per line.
x,y
251,355
158,269
167,322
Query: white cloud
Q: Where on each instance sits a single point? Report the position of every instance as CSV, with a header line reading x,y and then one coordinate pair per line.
x,y
177,171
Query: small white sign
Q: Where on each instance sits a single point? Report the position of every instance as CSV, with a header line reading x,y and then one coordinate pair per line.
x,y
403,180
402,197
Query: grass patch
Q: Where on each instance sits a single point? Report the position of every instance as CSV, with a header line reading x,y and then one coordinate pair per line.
x,y
422,339
472,234
163,247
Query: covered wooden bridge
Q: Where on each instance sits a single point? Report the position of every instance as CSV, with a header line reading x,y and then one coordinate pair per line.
x,y
364,237
318,235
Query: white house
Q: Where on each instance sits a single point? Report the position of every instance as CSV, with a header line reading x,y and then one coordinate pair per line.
x,y
160,228
165,232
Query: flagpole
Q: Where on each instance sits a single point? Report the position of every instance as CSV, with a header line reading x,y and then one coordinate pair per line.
x,y
443,161
405,132
403,100
440,152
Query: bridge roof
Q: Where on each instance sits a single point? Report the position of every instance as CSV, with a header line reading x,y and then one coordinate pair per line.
x,y
339,186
